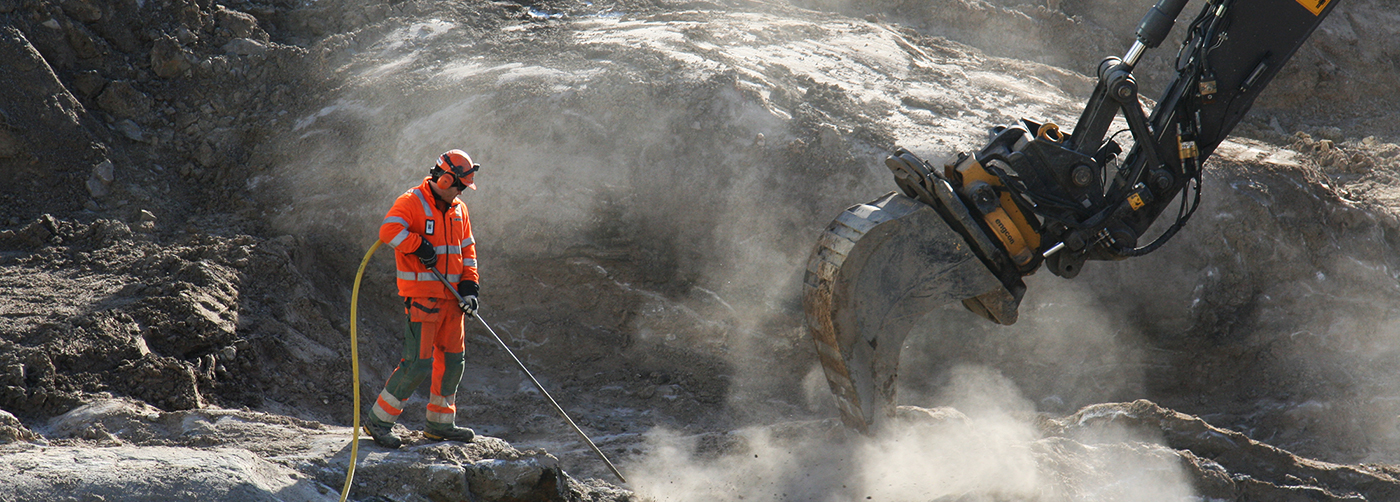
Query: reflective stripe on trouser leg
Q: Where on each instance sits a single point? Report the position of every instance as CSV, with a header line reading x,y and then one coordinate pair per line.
x,y
442,410
442,397
388,407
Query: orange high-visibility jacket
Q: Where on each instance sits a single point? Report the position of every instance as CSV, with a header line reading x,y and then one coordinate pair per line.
x,y
415,217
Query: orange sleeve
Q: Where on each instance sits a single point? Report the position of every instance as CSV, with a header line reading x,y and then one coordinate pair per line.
x,y
469,271
396,228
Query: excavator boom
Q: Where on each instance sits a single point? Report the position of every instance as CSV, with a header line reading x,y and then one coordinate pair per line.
x,y
969,228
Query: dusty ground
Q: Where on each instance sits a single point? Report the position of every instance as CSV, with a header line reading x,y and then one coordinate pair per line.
x,y
195,186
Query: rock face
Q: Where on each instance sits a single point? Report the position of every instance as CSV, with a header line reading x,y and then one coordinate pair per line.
x,y
133,84
191,186
1077,34
44,129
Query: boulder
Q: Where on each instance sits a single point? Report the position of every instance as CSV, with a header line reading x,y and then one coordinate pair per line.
x,y
168,58
11,430
237,24
123,100
82,10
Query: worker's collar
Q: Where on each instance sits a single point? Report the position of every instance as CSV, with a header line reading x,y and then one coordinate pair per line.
x,y
442,205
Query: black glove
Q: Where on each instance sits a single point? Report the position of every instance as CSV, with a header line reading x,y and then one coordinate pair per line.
x,y
468,291
468,288
426,254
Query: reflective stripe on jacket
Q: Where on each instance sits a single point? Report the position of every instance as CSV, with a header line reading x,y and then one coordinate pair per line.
x,y
415,216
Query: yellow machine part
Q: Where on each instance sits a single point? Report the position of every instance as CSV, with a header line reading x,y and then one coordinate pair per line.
x,y
1006,221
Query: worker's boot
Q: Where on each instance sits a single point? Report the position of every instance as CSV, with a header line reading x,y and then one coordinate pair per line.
x,y
447,432
382,432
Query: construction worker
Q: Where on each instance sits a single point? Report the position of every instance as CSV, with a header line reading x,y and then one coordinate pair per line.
x,y
429,228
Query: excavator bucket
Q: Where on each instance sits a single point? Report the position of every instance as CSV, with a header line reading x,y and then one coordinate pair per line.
x,y
877,270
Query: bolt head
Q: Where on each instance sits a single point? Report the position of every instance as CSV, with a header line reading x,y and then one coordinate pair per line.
x,y
1082,175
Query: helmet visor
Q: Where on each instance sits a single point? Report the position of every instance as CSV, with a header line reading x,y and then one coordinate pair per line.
x,y
465,178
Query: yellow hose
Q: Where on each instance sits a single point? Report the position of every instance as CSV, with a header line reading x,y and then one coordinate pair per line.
x,y
355,372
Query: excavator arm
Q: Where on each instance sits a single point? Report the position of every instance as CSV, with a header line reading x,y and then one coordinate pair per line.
x,y
969,228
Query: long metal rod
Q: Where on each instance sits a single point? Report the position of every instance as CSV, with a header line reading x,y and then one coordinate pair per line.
x,y
558,408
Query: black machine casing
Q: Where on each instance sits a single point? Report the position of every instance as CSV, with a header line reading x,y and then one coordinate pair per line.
x,y
1260,36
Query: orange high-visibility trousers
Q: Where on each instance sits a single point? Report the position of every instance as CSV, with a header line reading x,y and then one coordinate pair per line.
x,y
434,344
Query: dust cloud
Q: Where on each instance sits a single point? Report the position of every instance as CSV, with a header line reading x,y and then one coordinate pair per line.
x,y
983,446
588,167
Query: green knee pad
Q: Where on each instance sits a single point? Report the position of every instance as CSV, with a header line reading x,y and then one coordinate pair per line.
x,y
409,375
453,363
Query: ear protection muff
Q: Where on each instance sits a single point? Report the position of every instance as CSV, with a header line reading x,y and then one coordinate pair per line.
x,y
446,179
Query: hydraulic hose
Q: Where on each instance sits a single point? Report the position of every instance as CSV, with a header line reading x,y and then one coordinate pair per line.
x,y
355,372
